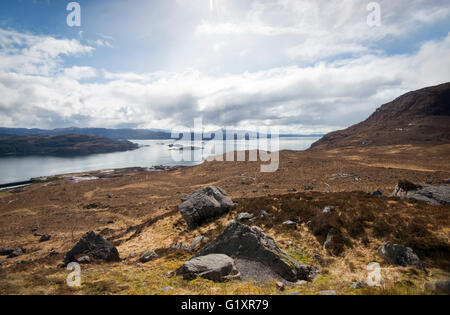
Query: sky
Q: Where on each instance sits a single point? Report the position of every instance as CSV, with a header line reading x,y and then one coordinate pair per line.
x,y
302,66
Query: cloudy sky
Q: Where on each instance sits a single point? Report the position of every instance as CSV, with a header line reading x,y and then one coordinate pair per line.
x,y
302,65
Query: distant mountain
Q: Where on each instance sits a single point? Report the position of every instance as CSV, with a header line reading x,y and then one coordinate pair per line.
x,y
121,134
124,134
61,145
418,117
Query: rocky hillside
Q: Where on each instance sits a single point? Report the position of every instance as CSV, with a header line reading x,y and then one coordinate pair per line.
x,y
64,145
418,117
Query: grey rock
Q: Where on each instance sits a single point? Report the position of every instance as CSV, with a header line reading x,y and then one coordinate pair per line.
x,y
167,289
95,246
292,190
179,246
328,209
328,240
204,204
433,195
16,253
289,223
84,260
241,241
308,188
132,255
215,267
264,215
438,286
400,255
147,256
327,292
6,251
376,193
44,238
359,285
53,253
197,242
244,216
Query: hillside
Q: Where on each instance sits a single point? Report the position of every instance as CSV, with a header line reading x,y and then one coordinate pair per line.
x,y
420,117
61,145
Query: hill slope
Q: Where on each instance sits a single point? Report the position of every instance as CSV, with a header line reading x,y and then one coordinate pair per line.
x,y
418,117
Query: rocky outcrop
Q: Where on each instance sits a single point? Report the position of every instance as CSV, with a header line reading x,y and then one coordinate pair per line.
x,y
215,267
95,246
400,255
433,195
241,241
204,204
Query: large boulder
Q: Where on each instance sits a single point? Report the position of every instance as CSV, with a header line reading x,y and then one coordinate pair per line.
x,y
433,195
241,241
215,267
95,246
204,204
400,255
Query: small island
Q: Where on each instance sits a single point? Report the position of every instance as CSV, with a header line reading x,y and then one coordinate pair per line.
x,y
61,145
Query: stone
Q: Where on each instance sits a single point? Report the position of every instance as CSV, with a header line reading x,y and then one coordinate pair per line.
x,y
433,195
45,238
6,251
289,223
328,240
280,286
147,256
215,267
167,289
241,241
400,255
95,246
438,286
132,255
308,188
376,193
447,181
243,216
16,253
204,204
179,246
359,285
53,253
328,209
292,190
264,215
84,260
197,242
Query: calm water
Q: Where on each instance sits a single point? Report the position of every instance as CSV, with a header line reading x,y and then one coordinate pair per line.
x,y
155,152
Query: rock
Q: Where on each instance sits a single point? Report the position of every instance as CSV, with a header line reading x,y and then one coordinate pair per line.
x,y
171,274
84,260
6,251
400,255
264,215
215,267
179,246
433,195
266,186
292,190
16,253
132,255
44,238
243,216
280,286
289,223
197,242
359,285
308,188
376,193
167,289
328,240
94,245
447,181
204,204
327,292
438,286
241,241
328,209
147,256
53,253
